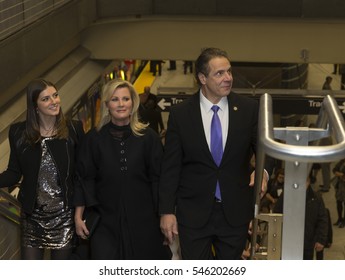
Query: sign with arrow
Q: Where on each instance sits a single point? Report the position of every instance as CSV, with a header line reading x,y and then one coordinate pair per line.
x,y
165,101
163,104
282,104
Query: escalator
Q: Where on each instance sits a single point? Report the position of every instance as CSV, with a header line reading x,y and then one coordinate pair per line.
x,y
9,227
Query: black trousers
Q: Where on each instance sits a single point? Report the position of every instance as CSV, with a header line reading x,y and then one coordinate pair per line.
x,y
309,254
216,240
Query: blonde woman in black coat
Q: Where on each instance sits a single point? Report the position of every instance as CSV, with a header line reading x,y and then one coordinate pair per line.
x,y
43,152
119,167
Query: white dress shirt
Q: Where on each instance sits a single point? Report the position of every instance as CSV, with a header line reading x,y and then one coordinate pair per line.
x,y
223,113
207,114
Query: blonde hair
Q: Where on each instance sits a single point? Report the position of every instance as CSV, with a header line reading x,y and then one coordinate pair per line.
x,y
107,92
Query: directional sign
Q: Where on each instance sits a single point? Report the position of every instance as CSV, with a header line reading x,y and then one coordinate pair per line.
x,y
342,107
281,104
163,104
165,101
300,105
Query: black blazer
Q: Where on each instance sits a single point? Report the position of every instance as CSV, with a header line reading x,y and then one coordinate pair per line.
x,y
24,163
189,174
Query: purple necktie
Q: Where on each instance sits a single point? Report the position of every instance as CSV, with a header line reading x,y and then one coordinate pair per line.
x,y
216,142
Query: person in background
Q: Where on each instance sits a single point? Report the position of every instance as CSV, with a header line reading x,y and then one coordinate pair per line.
x,y
153,66
339,184
149,112
274,190
327,83
316,221
147,95
210,189
335,69
172,65
119,169
342,76
324,166
329,241
187,64
44,148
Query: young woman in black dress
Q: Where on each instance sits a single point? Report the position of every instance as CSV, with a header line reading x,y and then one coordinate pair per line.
x,y
43,153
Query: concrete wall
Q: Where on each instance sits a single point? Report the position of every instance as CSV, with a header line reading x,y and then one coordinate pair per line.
x,y
245,39
250,30
291,31
234,8
34,50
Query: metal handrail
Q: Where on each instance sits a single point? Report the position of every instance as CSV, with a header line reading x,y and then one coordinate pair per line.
x,y
303,154
6,202
330,120
7,213
10,198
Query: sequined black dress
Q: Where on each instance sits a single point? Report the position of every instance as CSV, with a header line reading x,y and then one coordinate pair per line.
x,y
50,226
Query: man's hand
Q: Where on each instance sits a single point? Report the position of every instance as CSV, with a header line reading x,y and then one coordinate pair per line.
x,y
318,247
169,227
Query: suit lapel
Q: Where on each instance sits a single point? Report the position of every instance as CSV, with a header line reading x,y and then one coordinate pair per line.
x,y
197,125
233,121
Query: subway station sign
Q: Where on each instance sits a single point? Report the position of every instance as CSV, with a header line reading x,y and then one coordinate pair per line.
x,y
165,101
281,104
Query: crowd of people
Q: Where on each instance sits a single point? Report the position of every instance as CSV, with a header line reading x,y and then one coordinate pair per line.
x,y
196,186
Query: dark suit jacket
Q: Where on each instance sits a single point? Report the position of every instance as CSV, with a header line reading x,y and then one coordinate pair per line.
x,y
25,159
189,174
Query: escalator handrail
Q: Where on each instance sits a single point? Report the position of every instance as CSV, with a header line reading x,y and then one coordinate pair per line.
x,y
10,198
4,211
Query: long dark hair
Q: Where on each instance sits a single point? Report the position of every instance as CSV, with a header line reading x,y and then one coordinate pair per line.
x,y
33,91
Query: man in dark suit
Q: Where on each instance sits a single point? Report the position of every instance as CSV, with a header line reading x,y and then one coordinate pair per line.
x,y
149,112
208,226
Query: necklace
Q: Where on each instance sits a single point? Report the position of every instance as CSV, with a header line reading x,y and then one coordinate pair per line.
x,y
49,129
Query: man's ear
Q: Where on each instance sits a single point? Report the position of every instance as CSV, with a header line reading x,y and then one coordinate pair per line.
x,y
202,78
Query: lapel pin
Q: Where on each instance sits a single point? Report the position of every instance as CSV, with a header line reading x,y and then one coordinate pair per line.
x,y
235,108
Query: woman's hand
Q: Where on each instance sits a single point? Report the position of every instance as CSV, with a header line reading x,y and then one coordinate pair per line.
x,y
80,226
